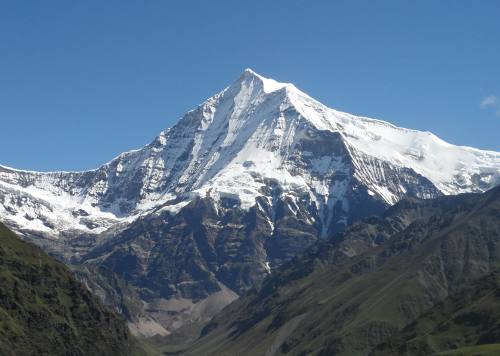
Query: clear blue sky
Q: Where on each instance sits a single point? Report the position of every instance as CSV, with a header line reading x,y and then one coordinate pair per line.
x,y
82,81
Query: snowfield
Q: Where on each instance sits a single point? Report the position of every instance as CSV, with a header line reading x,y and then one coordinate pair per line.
x,y
255,134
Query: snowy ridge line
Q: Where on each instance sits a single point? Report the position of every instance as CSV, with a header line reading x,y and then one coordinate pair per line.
x,y
254,138
43,172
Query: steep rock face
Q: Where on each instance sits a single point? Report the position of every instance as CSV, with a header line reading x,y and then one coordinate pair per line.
x,y
390,285
241,184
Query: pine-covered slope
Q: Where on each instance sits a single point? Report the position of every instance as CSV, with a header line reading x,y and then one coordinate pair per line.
x,y
45,311
239,185
419,263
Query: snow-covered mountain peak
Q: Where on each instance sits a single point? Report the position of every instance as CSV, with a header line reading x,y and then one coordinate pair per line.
x,y
240,184
254,137
268,85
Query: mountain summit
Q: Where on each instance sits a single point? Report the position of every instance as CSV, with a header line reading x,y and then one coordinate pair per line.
x,y
254,134
240,184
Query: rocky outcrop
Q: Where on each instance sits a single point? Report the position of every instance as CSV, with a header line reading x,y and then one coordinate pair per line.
x,y
362,291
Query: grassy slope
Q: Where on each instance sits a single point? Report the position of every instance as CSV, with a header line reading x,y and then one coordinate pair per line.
x,y
479,350
45,311
469,317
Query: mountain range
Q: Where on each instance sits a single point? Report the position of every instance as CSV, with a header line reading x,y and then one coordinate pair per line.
x,y
171,233
421,279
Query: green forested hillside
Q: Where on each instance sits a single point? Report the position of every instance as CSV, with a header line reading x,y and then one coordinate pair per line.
x,y
45,311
